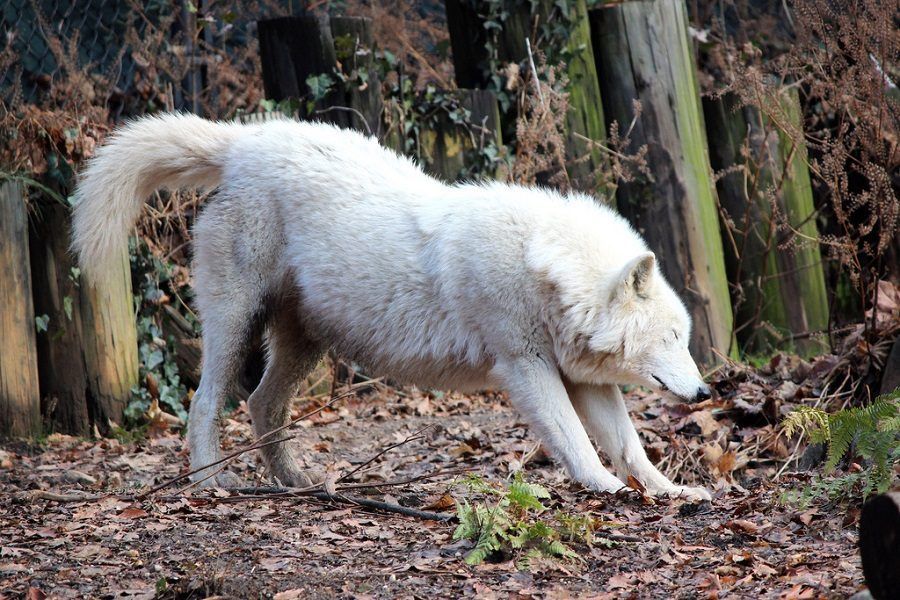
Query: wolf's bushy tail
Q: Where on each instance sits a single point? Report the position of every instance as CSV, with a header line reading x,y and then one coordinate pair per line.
x,y
166,152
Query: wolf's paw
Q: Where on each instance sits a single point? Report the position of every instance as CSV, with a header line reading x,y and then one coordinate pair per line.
x,y
683,492
609,484
224,479
299,478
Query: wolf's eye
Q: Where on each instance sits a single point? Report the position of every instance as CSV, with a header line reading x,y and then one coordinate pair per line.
x,y
676,334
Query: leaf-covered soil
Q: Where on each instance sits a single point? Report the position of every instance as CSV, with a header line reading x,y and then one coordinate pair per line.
x,y
176,544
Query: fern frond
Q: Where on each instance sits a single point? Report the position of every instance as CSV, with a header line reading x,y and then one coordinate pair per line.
x,y
843,425
522,496
557,548
874,431
809,421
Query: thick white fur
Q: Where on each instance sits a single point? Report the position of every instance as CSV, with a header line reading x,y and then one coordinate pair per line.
x,y
327,239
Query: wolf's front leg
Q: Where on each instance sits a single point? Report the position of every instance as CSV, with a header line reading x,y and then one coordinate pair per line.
x,y
604,413
539,395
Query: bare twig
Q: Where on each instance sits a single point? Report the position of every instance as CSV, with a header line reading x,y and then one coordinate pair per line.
x,y
54,497
383,506
415,436
619,537
534,73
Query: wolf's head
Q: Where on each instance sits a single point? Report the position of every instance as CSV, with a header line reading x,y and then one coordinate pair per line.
x,y
638,334
652,329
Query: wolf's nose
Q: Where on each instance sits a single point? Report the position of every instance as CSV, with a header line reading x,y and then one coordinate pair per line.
x,y
703,393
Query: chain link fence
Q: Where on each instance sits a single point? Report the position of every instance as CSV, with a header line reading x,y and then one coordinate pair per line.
x,y
192,55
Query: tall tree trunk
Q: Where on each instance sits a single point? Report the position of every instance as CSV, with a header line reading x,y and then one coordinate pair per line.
x,y
20,408
60,357
774,262
472,53
643,53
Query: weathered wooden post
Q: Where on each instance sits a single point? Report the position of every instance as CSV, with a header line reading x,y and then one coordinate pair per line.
x,y
20,408
879,544
354,47
55,281
293,49
443,148
776,291
110,342
468,25
643,53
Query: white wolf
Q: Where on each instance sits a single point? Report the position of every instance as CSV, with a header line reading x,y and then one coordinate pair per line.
x,y
327,240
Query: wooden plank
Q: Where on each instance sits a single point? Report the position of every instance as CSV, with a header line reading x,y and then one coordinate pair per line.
x,y
468,40
64,389
643,53
20,410
261,117
294,48
776,292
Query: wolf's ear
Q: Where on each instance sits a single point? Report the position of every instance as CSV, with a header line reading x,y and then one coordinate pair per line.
x,y
636,275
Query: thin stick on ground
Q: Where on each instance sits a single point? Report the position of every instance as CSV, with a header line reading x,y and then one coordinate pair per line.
x,y
246,493
275,491
414,436
384,506
317,494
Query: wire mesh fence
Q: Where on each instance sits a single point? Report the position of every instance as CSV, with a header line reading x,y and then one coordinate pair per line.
x,y
134,56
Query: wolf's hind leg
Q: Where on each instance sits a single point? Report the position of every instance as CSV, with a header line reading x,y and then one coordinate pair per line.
x,y
291,356
226,333
230,281
538,393
605,415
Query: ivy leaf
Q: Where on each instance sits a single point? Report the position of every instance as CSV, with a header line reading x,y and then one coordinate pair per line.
x,y
154,359
319,85
67,307
41,323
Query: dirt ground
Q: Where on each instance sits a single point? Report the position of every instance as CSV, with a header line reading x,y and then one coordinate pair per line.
x,y
194,544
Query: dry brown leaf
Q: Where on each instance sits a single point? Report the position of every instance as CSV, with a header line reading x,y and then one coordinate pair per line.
x,y
705,420
445,502
133,512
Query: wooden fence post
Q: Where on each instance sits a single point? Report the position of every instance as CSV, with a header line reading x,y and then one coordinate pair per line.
x,y
110,343
61,363
443,148
879,544
354,46
643,53
294,48
776,291
469,41
20,408
291,49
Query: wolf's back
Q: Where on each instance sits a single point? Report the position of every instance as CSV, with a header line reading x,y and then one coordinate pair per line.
x,y
170,151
